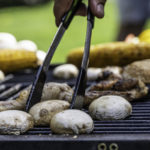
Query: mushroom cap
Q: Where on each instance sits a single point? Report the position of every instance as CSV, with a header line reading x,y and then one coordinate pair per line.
x,y
27,45
110,107
7,41
15,122
71,122
93,73
66,71
42,112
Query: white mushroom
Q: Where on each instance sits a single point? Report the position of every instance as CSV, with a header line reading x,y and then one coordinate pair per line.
x,y
2,76
40,56
71,122
27,45
66,71
15,122
110,108
7,41
94,73
43,112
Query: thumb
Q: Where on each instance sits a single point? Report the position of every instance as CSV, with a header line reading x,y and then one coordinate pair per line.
x,y
97,7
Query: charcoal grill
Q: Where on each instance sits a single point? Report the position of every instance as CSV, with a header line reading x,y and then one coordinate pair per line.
x,y
133,133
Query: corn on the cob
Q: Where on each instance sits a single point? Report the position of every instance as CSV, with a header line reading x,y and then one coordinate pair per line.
x,y
12,60
145,36
117,53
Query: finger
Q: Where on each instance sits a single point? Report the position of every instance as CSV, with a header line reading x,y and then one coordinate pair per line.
x,y
82,11
60,7
97,7
63,6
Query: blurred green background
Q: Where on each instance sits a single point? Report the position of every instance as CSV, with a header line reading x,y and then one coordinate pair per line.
x,y
38,24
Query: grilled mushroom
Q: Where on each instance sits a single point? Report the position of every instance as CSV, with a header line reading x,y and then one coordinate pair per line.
x,y
66,71
43,112
110,108
15,122
71,122
108,73
51,91
2,76
130,89
138,70
94,73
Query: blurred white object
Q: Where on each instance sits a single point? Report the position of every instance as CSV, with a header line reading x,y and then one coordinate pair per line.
x,y
27,45
66,71
94,73
40,56
2,76
7,41
131,38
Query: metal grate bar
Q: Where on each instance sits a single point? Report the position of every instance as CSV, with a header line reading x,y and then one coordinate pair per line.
x,y
121,132
37,132
122,128
11,91
123,121
121,125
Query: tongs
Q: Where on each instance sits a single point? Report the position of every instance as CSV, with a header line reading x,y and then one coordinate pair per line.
x,y
80,86
38,84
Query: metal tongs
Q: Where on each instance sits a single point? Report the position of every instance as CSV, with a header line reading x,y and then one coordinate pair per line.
x,y
38,84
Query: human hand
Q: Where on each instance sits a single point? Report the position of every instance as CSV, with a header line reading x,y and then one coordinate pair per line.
x,y
62,6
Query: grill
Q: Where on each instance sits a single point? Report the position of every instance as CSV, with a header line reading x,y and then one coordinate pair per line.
x,y
129,134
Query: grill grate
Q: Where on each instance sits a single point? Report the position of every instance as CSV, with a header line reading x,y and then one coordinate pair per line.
x,y
137,123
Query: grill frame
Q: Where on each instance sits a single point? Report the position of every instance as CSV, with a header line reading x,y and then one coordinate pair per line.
x,y
88,142
138,138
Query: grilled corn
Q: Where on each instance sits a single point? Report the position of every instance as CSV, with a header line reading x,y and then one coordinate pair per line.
x,y
12,60
115,54
145,36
